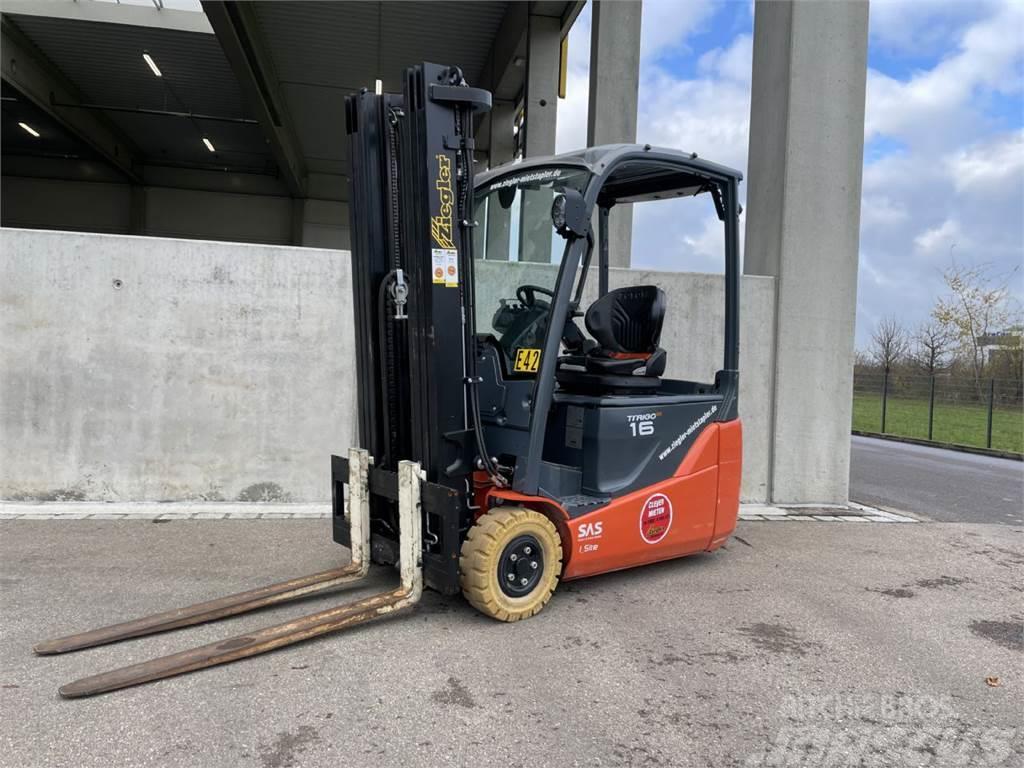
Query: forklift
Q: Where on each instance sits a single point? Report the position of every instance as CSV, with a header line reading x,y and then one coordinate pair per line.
x,y
503,447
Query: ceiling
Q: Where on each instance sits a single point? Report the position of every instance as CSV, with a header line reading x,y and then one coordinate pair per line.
x,y
309,54
53,140
104,63
322,52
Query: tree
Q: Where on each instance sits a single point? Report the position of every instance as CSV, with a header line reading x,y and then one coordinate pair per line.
x,y
976,305
888,343
933,344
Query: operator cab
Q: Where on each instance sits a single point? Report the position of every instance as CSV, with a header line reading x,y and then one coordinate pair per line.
x,y
562,404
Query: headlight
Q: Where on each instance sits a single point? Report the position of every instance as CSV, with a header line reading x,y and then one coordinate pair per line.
x,y
558,214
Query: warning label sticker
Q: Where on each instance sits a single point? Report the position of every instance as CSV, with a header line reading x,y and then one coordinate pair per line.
x,y
655,518
439,264
451,268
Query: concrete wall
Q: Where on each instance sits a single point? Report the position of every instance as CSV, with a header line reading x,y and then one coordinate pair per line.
x,y
224,371
215,371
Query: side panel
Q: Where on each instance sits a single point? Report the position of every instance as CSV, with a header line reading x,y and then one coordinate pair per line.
x,y
730,470
668,519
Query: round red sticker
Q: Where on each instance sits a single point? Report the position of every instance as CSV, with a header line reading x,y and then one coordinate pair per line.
x,y
655,518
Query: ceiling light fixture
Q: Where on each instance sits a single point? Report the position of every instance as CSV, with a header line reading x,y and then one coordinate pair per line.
x,y
209,144
152,65
29,129
378,87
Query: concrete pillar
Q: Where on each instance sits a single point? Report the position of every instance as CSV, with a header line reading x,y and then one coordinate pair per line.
x,y
803,225
614,85
501,140
540,100
543,54
502,143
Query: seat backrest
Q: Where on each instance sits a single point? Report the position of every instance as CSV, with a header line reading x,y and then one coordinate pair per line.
x,y
628,320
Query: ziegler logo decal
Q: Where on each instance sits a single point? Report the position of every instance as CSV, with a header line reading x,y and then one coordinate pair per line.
x,y
655,518
527,360
689,431
441,225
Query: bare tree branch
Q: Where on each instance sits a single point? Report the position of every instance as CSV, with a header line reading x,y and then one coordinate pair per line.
x,y
933,344
889,342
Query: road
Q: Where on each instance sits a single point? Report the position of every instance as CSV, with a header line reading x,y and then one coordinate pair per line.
x,y
936,484
804,644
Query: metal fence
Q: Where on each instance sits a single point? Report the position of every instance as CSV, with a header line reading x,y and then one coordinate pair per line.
x,y
986,414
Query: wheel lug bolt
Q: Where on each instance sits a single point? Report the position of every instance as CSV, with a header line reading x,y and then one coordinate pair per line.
x,y
513,557
511,577
524,582
527,550
533,564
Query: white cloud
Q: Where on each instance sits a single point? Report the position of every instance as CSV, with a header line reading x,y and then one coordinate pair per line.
x,y
922,27
668,24
880,210
989,165
940,238
731,63
928,107
709,114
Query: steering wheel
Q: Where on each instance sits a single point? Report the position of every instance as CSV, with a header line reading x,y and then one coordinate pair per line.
x,y
527,294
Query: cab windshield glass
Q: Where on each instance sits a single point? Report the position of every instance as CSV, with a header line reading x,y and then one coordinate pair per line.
x,y
517,253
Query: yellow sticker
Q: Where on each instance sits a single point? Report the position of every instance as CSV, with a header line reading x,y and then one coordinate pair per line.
x,y
527,360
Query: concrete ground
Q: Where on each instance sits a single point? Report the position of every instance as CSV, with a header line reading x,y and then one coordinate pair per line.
x,y
935,483
801,643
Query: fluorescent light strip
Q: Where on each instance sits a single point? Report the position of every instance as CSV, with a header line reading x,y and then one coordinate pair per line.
x,y
378,87
209,144
152,65
29,129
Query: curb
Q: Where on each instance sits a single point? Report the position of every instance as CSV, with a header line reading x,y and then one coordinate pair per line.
x,y
993,452
165,512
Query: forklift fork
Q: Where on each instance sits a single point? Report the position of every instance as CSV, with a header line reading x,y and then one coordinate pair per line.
x,y
288,633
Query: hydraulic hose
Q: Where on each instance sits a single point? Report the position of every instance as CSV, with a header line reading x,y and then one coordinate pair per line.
x,y
466,287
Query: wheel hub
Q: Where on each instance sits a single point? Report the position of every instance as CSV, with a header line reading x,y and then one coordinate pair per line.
x,y
520,566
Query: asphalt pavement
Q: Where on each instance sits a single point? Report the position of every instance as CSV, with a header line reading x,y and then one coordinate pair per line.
x,y
935,483
798,644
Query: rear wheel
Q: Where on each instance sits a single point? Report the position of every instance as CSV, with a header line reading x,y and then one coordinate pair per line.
x,y
510,564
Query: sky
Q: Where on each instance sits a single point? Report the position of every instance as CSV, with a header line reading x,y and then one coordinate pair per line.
x,y
944,138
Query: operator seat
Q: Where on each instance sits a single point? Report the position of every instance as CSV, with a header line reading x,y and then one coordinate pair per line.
x,y
626,326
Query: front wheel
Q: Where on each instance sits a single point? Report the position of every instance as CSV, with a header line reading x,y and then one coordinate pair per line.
x,y
510,564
